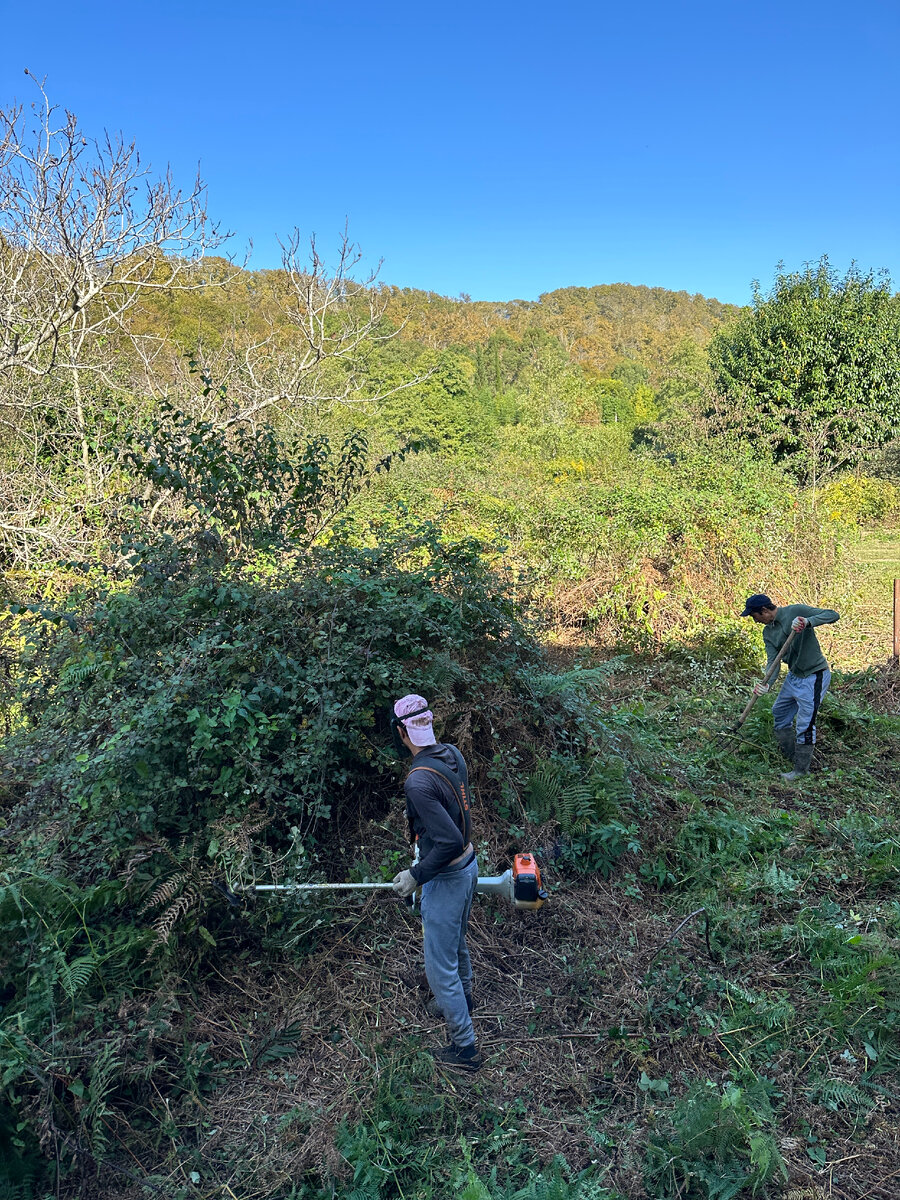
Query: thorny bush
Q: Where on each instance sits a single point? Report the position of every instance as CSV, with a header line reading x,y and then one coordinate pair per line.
x,y
210,718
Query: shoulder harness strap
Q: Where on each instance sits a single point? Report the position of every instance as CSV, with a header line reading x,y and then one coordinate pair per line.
x,y
459,783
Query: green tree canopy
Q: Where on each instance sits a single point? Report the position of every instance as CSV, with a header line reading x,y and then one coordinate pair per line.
x,y
814,367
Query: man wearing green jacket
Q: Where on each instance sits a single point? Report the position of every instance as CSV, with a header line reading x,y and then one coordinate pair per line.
x,y
794,711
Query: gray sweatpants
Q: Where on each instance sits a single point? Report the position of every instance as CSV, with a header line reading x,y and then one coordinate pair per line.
x,y
446,904
799,700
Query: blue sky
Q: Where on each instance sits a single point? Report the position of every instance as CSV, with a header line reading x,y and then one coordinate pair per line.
x,y
507,149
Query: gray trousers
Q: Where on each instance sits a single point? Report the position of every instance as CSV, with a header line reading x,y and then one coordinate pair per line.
x,y
446,904
799,700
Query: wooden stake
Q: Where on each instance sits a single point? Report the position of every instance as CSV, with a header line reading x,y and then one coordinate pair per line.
x,y
897,619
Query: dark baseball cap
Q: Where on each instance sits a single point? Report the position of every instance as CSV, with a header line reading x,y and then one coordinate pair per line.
x,y
755,603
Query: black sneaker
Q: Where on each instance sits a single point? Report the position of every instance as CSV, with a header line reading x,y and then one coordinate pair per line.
x,y
434,1009
465,1058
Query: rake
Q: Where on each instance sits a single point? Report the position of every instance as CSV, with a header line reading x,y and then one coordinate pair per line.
x,y
774,667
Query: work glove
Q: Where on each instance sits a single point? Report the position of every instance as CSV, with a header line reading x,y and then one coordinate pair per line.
x,y
799,624
760,689
404,884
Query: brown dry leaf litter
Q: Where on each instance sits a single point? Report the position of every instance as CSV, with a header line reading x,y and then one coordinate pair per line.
x,y
552,1032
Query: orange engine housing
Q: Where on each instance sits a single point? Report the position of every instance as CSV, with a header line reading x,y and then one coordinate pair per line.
x,y
527,890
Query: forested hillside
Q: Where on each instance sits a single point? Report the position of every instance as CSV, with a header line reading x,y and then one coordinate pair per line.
x,y
598,327
243,512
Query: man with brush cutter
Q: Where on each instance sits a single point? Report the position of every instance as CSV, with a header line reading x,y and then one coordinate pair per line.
x,y
437,809
794,711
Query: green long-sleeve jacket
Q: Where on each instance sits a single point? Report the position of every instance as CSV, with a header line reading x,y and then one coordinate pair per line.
x,y
804,657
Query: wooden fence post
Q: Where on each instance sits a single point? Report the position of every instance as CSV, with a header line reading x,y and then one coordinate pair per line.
x,y
897,620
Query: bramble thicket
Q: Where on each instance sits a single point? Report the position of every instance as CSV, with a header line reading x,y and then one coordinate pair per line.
x,y
245,510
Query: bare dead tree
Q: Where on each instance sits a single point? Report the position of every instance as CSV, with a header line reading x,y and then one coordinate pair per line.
x,y
333,317
312,353
85,230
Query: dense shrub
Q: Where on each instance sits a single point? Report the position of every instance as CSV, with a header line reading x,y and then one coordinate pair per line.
x,y
224,708
637,550
861,500
178,703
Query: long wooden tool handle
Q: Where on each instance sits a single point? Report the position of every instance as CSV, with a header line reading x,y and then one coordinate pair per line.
x,y
776,663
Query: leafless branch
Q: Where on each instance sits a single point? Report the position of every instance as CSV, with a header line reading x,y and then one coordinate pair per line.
x,y
84,231
309,352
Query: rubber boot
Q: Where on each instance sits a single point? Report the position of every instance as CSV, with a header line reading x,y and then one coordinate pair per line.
x,y
802,758
787,741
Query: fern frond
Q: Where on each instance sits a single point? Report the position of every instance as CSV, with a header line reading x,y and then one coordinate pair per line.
x,y
577,681
163,926
840,1093
143,853
741,992
780,882
778,1015
106,1067
577,807
542,792
75,976
592,798
79,672
165,891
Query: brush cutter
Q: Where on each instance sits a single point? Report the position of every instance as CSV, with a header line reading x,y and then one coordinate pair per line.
x,y
770,674
519,885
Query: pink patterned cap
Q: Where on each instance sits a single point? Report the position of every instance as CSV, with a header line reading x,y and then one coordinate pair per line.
x,y
419,729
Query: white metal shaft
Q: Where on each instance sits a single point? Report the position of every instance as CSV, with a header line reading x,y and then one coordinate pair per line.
x,y
316,887
487,885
